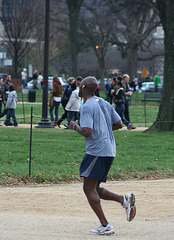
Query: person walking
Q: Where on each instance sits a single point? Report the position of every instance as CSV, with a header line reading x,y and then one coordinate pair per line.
x,y
35,76
65,99
113,84
106,89
73,104
4,93
125,83
24,77
156,82
119,100
56,93
97,121
11,106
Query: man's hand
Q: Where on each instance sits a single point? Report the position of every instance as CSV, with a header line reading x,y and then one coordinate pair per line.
x,y
71,125
117,125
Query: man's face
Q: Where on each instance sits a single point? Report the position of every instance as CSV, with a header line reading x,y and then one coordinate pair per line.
x,y
8,78
78,82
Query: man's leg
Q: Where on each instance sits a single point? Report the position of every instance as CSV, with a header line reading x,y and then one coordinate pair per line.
x,y
126,112
108,195
90,190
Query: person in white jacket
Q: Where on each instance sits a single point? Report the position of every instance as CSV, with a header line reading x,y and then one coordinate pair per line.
x,y
11,106
73,105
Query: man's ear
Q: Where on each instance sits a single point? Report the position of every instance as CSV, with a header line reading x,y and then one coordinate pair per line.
x,y
84,85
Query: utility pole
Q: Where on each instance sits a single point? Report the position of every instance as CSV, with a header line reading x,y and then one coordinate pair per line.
x,y
44,123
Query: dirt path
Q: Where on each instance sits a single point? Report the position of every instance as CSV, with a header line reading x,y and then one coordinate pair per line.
x,y
62,127
61,212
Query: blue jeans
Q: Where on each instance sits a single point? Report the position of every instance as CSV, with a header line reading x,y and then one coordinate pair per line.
x,y
10,113
56,106
24,83
73,116
120,110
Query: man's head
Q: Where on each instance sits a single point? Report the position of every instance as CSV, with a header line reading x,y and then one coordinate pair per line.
x,y
88,87
118,84
8,78
119,78
11,87
114,80
71,80
78,80
126,78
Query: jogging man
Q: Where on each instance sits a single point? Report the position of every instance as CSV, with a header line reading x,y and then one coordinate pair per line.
x,y
97,121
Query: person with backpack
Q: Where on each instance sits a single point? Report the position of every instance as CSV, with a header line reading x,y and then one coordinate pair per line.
x,y
64,101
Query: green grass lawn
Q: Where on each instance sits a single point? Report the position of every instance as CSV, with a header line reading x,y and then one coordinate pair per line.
x,y
57,154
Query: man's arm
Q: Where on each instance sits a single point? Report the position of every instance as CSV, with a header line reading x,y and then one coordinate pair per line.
x,y
85,132
117,125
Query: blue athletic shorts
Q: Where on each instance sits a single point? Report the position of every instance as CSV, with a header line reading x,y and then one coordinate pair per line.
x,y
95,167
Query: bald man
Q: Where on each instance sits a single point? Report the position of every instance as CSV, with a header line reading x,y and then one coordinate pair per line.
x,y
97,121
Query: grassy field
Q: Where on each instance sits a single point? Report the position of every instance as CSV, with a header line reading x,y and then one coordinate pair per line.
x,y
57,153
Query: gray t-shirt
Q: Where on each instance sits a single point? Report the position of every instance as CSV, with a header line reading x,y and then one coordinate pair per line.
x,y
100,116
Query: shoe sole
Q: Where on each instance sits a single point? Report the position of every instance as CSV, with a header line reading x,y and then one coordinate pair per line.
x,y
104,233
107,233
132,212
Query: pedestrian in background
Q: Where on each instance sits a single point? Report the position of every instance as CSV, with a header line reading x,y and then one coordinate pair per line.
x,y
156,81
24,77
35,76
73,104
125,84
56,93
113,85
11,106
106,89
64,101
119,100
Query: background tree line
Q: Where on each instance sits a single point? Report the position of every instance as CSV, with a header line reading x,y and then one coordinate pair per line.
x,y
78,26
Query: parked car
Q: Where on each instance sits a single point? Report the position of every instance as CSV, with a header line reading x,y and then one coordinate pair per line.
x,y
149,87
61,79
31,83
50,83
3,75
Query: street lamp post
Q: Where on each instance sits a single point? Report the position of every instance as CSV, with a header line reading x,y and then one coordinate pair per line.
x,y
44,123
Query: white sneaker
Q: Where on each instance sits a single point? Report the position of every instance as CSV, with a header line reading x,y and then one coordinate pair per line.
x,y
101,230
129,205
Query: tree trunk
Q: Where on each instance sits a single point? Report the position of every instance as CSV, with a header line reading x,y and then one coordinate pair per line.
x,y
73,45
132,59
165,118
16,65
102,69
74,10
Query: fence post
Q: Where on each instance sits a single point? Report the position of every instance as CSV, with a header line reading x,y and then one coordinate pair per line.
x,y
23,107
30,140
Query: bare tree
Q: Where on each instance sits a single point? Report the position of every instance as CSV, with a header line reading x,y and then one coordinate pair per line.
x,y
58,43
20,23
96,28
134,23
165,118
